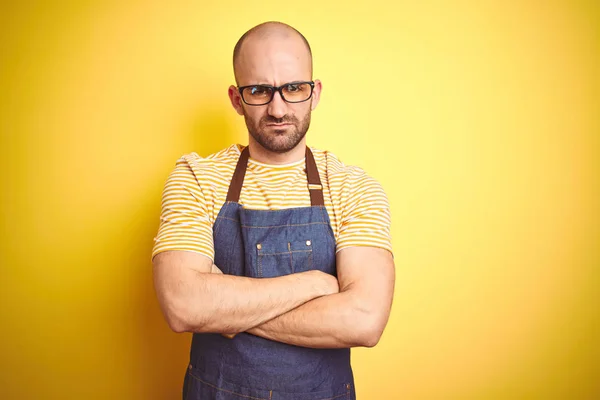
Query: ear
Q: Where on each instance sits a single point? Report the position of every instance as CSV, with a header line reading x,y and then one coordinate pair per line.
x,y
236,99
316,96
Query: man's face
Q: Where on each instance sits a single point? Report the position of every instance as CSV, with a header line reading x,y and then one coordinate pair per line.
x,y
274,133
278,126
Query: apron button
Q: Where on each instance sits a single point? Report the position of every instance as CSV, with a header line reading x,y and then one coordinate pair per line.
x,y
259,246
190,366
308,242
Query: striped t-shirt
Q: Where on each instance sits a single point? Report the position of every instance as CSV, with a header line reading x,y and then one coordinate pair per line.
x,y
196,189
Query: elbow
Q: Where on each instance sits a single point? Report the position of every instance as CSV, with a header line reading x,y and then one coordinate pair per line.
x,y
177,324
179,318
366,324
176,320
369,334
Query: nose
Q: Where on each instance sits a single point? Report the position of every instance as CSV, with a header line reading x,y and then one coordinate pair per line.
x,y
277,107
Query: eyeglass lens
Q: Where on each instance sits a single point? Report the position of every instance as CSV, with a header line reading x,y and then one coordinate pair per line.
x,y
293,93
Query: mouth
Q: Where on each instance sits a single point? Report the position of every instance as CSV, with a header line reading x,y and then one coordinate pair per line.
x,y
279,125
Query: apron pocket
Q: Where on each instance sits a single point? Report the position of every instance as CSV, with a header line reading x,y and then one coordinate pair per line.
x,y
302,255
340,392
284,259
200,388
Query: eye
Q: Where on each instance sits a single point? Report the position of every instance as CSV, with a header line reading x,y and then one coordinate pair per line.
x,y
292,88
258,90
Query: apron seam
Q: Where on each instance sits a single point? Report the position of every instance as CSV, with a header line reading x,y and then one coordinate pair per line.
x,y
285,226
291,261
337,396
226,390
286,252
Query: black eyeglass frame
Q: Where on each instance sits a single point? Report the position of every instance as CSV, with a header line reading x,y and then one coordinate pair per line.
x,y
277,89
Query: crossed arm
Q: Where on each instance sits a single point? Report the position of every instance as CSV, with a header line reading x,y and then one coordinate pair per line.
x,y
310,309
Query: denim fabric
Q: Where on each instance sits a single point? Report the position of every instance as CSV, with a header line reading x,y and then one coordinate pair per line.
x,y
260,244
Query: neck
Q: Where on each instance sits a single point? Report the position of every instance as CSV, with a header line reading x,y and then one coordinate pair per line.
x,y
260,154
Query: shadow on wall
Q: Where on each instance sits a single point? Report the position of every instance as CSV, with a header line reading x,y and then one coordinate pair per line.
x,y
163,354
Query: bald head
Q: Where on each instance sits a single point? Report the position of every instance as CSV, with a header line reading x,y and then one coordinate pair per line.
x,y
265,39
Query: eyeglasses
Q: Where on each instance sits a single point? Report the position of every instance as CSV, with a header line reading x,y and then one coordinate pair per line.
x,y
293,92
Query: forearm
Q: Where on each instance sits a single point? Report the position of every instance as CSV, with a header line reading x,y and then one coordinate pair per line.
x,y
356,316
227,304
333,321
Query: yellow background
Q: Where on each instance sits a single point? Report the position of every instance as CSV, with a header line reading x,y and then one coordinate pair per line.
x,y
479,118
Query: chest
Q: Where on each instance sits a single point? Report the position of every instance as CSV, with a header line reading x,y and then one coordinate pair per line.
x,y
264,192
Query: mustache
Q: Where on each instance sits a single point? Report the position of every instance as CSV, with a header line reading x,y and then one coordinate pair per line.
x,y
282,120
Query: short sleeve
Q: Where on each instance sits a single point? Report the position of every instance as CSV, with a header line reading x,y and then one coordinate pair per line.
x,y
184,220
366,217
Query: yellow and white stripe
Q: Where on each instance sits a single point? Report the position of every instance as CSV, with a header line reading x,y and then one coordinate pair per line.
x,y
197,187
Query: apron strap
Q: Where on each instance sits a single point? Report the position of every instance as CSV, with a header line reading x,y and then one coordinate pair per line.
x,y
314,180
235,187
315,188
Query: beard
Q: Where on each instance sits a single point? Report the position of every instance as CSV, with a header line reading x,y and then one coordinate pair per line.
x,y
278,140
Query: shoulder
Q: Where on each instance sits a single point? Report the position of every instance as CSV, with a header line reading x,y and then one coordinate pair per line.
x,y
224,157
348,177
212,165
196,173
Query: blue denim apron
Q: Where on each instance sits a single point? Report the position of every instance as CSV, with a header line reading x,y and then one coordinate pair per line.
x,y
262,244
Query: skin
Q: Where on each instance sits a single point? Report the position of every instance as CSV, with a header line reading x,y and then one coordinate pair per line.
x,y
275,56
310,309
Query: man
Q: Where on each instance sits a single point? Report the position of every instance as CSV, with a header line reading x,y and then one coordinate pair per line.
x,y
276,256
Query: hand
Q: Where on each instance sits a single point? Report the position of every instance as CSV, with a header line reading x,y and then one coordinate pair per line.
x,y
333,286
325,284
